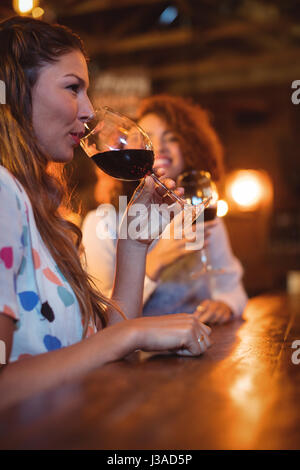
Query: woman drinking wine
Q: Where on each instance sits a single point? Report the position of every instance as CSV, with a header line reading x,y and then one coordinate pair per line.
x,y
54,323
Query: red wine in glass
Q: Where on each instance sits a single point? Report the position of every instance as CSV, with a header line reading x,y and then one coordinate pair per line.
x,y
210,213
192,193
127,164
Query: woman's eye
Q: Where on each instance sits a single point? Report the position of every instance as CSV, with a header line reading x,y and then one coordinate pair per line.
x,y
172,138
74,87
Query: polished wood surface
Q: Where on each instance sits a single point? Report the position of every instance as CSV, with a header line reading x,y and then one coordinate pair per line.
x,y
244,393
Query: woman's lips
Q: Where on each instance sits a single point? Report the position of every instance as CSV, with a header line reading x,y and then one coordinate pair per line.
x,y
162,162
76,138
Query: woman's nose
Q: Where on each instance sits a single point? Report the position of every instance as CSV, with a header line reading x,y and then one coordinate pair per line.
x,y
157,146
86,110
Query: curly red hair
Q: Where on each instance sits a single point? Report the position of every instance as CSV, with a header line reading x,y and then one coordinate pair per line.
x,y
199,143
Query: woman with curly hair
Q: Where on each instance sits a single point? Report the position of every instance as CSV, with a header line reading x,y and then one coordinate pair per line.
x,y
183,139
54,322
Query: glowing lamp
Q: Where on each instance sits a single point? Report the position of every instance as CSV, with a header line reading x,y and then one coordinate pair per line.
x,y
248,190
37,12
222,208
24,7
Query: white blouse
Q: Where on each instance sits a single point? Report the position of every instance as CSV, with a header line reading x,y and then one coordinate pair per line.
x,y
176,291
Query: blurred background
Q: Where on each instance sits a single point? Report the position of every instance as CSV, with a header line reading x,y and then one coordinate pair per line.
x,y
238,59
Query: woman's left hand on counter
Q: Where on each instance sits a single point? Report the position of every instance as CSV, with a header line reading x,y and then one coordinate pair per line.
x,y
214,312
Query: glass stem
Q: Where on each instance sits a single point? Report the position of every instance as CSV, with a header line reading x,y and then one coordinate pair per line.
x,y
204,261
168,191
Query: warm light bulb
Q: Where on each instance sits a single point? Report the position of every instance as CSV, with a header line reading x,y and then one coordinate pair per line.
x,y
246,190
37,12
249,190
222,208
23,7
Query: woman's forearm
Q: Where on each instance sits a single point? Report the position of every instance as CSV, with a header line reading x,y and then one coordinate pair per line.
x,y
154,265
51,369
129,279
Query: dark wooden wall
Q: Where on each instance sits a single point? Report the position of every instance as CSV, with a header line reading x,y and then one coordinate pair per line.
x,y
259,128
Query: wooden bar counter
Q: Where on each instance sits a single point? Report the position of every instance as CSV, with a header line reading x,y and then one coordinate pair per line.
x,y
243,393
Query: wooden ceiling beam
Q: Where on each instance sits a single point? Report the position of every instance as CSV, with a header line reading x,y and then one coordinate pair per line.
x,y
218,64
154,40
162,39
228,72
6,12
92,6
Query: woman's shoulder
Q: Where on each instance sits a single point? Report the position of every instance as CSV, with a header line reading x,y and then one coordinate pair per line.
x,y
15,204
10,183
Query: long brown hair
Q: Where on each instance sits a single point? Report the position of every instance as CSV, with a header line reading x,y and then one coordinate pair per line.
x,y
199,143
26,45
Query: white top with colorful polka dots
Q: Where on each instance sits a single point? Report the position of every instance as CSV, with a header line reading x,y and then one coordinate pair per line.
x,y
32,289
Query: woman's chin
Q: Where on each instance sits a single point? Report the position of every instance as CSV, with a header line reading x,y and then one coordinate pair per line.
x,y
64,157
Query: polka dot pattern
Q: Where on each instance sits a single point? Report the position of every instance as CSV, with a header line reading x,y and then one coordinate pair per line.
x,y
29,300
51,276
36,259
6,255
66,296
36,295
51,343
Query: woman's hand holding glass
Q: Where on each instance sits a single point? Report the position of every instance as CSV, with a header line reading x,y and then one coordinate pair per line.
x,y
143,205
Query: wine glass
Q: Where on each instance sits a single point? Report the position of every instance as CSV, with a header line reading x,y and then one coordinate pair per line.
x,y
199,186
123,150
